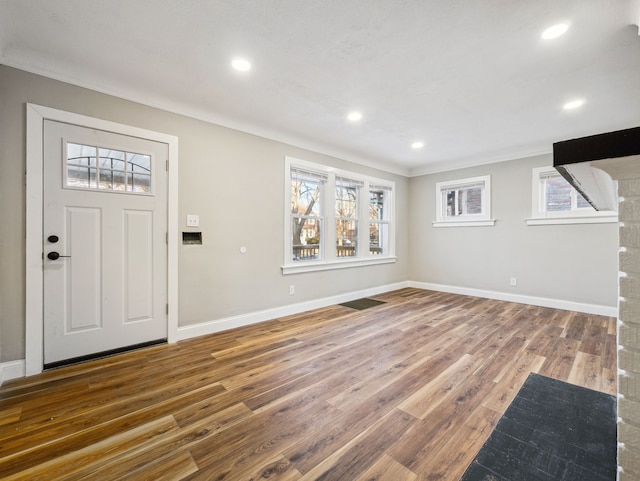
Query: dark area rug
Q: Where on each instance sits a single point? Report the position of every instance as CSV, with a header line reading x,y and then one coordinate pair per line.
x,y
361,304
552,431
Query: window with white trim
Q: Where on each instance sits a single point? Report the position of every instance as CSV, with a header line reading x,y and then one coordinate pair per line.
x,y
556,201
464,202
347,196
379,219
90,167
306,213
332,216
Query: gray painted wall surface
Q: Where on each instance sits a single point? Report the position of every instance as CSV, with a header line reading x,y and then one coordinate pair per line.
x,y
233,180
575,263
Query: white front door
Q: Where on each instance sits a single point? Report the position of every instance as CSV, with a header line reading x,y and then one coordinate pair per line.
x,y
105,251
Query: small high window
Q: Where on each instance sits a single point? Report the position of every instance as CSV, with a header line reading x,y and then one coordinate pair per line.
x,y
464,202
555,201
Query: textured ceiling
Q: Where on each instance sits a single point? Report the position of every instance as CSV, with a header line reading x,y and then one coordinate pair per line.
x,y
470,78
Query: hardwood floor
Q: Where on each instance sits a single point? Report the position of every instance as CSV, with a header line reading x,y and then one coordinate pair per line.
x,y
408,390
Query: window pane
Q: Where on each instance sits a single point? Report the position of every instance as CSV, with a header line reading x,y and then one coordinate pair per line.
x,y
119,178
378,235
112,170
81,154
106,179
305,239
465,201
582,202
305,197
139,163
112,159
557,194
346,238
377,209
346,202
81,177
473,200
139,183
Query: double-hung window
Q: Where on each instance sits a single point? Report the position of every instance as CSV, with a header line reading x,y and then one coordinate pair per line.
x,y
379,219
347,196
555,201
307,191
335,218
464,202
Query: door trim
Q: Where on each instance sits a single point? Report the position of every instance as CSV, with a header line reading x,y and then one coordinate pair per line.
x,y
34,305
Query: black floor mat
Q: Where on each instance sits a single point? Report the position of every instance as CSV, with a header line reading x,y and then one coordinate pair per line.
x,y
552,431
363,303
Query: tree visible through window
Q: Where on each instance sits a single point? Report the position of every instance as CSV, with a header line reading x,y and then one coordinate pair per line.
x,y
331,216
347,193
378,219
306,214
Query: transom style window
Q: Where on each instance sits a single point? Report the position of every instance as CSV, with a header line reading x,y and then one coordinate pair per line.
x,y
464,202
333,215
97,168
555,201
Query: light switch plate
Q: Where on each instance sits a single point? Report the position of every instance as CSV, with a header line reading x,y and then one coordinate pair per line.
x,y
193,221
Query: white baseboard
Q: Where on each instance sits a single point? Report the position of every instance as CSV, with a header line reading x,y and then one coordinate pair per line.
x,y
16,369
209,327
12,370
521,299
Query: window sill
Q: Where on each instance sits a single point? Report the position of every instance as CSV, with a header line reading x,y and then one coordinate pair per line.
x,y
464,223
331,265
601,219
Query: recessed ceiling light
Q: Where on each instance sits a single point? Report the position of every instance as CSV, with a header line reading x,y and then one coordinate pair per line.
x,y
417,145
354,116
241,64
573,104
555,31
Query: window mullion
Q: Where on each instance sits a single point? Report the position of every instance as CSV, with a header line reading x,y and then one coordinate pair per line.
x,y
363,220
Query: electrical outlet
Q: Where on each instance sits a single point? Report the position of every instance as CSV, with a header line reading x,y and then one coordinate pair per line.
x,y
514,281
292,290
193,221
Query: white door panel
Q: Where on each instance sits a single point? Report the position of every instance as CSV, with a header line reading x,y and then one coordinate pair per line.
x,y
111,291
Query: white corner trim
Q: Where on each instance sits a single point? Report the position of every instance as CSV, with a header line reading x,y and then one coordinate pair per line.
x,y
210,327
521,299
12,370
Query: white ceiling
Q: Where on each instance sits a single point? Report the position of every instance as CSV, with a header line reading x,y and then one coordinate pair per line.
x,y
470,78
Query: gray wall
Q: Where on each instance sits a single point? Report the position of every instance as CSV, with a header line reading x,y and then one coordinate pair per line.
x,y
233,180
575,263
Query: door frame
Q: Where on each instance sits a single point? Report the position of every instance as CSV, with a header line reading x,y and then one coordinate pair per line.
x,y
34,303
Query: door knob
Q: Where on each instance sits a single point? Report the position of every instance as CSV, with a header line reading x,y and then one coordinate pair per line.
x,y
53,239
54,255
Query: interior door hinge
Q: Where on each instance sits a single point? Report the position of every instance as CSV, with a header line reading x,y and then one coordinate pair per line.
x,y
167,165
166,238
167,308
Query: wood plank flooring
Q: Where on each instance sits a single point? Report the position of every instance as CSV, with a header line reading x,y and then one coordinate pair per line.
x,y
408,390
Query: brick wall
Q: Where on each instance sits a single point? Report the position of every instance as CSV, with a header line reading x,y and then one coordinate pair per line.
x,y
629,332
